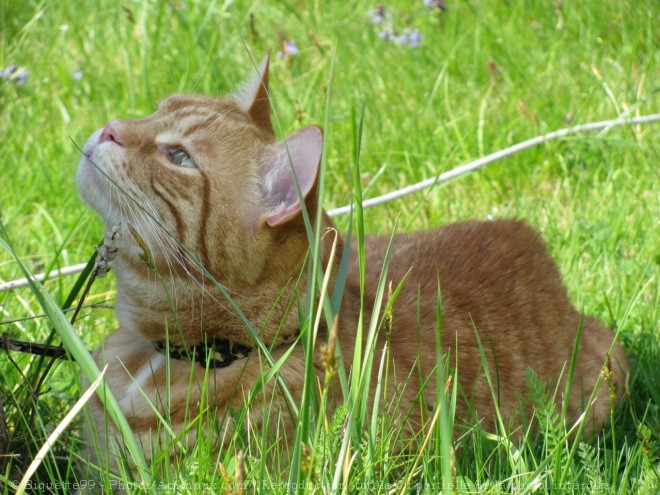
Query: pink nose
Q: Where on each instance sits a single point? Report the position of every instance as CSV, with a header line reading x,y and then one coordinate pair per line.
x,y
110,133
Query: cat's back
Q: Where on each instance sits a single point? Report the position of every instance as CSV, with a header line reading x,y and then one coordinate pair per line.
x,y
471,260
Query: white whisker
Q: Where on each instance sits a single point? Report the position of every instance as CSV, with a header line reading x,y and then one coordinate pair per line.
x,y
145,214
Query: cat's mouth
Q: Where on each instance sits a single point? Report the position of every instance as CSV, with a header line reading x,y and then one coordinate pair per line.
x,y
90,145
91,183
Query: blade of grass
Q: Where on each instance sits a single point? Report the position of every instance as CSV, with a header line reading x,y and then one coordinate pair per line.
x,y
59,429
446,429
77,349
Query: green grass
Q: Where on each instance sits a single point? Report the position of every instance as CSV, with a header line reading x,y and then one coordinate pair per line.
x,y
487,75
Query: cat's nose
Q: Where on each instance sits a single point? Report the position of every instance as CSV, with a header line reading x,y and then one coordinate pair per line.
x,y
110,133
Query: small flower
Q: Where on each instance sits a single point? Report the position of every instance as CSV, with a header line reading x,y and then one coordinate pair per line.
x,y
415,38
435,4
15,74
21,77
410,37
389,34
403,38
379,14
289,49
9,71
78,73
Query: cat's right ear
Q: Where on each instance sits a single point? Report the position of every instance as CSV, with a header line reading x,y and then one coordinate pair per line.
x,y
299,153
253,97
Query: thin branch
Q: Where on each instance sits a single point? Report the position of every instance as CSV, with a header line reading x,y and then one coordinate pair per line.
x,y
65,311
50,351
498,155
60,272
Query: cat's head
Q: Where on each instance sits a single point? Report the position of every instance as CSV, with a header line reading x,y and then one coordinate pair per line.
x,y
209,173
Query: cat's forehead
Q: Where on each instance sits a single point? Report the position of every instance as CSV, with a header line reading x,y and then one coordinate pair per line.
x,y
190,108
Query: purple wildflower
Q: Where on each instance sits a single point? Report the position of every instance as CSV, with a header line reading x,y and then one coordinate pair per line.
x,y
409,37
403,39
21,77
388,34
379,14
415,38
9,71
435,4
289,49
78,73
15,74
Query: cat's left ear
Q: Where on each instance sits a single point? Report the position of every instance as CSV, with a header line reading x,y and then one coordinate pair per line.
x,y
253,97
300,153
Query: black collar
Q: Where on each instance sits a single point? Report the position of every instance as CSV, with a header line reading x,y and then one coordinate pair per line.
x,y
217,353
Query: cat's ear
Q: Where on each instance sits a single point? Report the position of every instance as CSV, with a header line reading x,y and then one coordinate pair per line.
x,y
299,152
253,97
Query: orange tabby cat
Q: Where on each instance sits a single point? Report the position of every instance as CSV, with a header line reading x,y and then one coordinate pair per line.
x,y
209,172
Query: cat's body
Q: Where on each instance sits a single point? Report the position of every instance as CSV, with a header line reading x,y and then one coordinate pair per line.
x,y
496,281
210,171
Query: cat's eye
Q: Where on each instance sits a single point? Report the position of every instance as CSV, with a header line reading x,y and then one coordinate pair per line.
x,y
181,159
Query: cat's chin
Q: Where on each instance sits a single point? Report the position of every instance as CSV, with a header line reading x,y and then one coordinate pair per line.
x,y
89,187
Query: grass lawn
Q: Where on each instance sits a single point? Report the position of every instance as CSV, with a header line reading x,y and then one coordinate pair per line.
x,y
486,75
